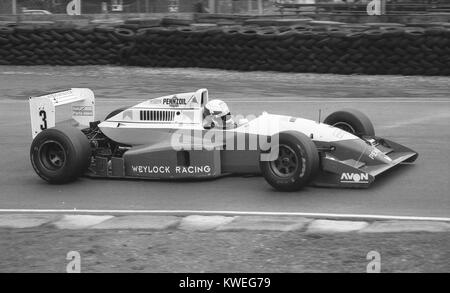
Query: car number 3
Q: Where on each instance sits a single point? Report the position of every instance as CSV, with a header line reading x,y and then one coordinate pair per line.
x,y
43,115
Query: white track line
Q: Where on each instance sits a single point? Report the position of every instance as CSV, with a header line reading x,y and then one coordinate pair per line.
x,y
231,213
312,100
337,100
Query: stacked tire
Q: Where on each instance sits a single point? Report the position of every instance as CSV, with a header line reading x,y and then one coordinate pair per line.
x,y
389,50
67,45
309,47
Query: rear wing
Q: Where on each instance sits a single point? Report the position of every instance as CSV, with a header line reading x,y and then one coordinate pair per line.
x,y
42,108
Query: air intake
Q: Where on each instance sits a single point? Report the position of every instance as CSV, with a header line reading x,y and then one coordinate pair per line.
x,y
156,115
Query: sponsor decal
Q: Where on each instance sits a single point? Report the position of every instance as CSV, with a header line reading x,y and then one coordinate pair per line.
x,y
193,101
355,178
174,101
338,133
374,153
128,114
82,111
205,169
192,169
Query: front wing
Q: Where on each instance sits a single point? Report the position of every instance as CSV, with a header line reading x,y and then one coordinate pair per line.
x,y
355,174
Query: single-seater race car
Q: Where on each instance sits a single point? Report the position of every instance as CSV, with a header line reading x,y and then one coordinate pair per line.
x,y
186,136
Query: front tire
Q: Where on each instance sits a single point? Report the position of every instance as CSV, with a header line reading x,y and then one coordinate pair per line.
x,y
352,121
60,154
297,162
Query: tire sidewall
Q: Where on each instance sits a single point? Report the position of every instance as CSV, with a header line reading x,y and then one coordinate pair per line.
x,y
76,150
356,119
306,152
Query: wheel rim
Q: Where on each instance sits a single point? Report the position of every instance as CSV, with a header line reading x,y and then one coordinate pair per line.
x,y
345,126
287,162
52,155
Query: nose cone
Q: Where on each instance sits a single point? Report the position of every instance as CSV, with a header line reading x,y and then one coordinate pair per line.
x,y
375,155
361,151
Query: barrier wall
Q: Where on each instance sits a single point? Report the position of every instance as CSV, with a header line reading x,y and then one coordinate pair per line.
x,y
346,49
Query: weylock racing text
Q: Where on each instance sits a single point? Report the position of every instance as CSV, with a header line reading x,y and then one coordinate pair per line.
x,y
206,169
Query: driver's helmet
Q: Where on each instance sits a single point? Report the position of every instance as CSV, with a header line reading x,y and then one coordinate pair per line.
x,y
217,114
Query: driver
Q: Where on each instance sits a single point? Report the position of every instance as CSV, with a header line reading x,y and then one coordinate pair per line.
x,y
217,114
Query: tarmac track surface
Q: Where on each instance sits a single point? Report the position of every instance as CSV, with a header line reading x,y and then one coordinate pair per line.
x,y
414,111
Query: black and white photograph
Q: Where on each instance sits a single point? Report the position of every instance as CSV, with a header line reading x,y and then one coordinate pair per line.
x,y
224,144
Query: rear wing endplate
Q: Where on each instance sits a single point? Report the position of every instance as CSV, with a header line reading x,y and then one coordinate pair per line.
x,y
42,108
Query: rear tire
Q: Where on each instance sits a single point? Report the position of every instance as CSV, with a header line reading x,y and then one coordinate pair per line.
x,y
60,154
352,121
296,165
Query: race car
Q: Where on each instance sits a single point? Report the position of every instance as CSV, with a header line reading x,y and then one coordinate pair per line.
x,y
186,136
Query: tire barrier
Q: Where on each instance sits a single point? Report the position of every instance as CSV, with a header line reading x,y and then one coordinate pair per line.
x,y
276,21
170,21
65,45
343,49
